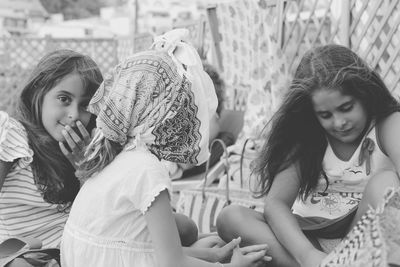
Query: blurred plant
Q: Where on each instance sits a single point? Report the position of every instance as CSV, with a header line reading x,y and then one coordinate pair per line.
x,y
11,82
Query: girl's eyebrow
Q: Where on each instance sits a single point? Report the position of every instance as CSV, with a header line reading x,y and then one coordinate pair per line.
x,y
319,112
65,92
346,103
350,101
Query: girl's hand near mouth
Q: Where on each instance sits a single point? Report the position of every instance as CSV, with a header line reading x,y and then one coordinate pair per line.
x,y
75,142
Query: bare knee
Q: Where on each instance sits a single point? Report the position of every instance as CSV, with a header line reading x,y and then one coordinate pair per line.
x,y
229,222
187,228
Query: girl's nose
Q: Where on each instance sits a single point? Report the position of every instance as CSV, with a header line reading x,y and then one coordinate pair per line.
x,y
340,122
73,115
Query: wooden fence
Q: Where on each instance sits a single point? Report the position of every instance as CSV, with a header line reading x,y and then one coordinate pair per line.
x,y
19,55
369,27
25,52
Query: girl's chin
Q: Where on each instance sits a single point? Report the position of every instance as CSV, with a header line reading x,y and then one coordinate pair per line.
x,y
347,139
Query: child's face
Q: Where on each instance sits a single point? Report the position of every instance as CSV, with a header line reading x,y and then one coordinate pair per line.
x,y
343,117
63,105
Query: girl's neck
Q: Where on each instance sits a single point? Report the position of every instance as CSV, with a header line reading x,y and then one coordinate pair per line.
x,y
343,151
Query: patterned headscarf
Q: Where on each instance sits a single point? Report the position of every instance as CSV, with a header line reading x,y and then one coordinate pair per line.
x,y
159,98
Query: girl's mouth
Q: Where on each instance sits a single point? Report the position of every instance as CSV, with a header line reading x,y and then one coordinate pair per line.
x,y
65,124
345,132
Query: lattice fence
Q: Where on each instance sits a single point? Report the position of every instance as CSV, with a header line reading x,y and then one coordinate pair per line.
x,y
375,35
19,55
306,24
371,28
25,52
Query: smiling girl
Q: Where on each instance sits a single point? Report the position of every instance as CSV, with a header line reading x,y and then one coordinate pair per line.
x,y
331,153
37,182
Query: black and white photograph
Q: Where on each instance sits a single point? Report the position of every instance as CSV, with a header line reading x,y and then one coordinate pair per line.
x,y
199,133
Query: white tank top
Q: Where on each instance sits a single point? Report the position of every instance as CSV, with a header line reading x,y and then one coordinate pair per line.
x,y
347,180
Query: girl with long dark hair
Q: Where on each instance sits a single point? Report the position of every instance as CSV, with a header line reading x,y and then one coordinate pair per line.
x,y
331,152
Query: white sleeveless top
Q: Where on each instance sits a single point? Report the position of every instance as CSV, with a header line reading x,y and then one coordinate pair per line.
x,y
347,181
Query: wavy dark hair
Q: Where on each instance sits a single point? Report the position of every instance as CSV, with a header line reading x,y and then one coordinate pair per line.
x,y
53,173
295,135
219,85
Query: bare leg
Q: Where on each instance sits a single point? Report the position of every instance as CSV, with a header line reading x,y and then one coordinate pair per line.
x,y
234,221
374,191
19,262
187,229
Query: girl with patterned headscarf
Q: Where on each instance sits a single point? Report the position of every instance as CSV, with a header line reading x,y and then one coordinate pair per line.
x,y
156,105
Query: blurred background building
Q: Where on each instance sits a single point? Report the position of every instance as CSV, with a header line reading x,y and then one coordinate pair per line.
x,y
94,18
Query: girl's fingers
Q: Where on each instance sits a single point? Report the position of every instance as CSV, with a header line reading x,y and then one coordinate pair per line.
x,y
209,242
267,258
256,256
73,134
83,131
64,150
73,139
253,248
231,245
71,143
237,251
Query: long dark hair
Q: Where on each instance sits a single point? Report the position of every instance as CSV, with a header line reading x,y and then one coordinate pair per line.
x,y
296,136
218,83
53,173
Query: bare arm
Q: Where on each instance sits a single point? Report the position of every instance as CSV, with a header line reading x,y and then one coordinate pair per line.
x,y
388,136
166,239
4,169
200,253
212,249
278,214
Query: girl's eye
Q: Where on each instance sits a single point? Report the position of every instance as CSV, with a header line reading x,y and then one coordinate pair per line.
x,y
347,108
64,99
324,115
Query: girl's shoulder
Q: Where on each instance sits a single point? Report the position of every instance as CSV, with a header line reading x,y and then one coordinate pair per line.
x,y
137,159
13,140
141,153
392,117
9,125
388,130
388,123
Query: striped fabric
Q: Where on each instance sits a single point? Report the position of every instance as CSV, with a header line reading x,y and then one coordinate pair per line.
x,y
204,212
23,212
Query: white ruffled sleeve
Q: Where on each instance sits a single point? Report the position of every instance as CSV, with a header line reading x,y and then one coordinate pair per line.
x,y
148,183
13,141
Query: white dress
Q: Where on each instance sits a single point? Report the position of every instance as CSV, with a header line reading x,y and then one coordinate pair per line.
x,y
106,226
